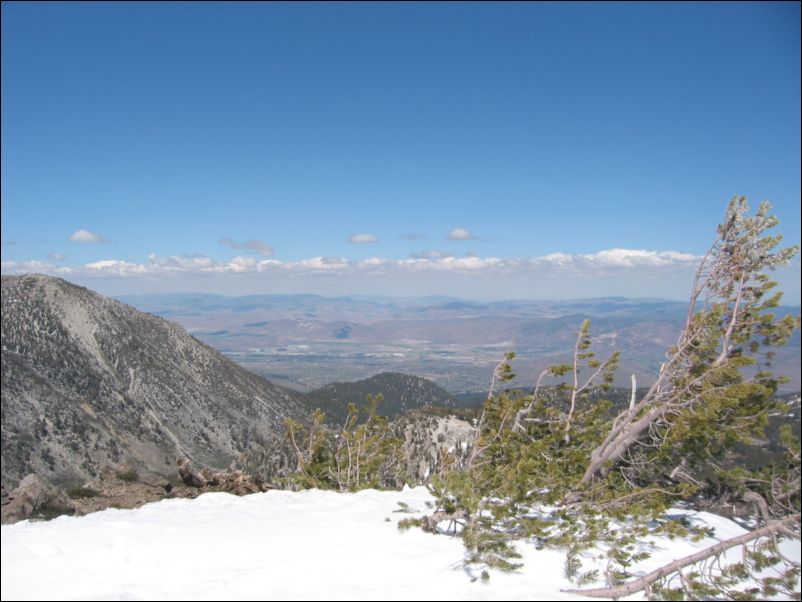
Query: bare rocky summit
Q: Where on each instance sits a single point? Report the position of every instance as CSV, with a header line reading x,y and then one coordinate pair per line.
x,y
89,382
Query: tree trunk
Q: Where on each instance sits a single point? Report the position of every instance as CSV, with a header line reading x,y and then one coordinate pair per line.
x,y
625,589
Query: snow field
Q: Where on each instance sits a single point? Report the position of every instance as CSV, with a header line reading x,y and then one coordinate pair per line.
x,y
280,545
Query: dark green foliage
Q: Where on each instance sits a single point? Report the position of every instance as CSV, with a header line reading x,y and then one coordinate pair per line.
x,y
399,393
362,454
489,547
609,476
129,476
407,523
82,492
48,511
523,460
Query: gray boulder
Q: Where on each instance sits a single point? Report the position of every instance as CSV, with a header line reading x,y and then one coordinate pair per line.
x,y
35,499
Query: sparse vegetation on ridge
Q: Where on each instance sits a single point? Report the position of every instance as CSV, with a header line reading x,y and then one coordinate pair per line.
x,y
578,477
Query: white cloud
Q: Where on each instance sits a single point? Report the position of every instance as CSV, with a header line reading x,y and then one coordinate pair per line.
x,y
454,264
181,263
267,264
557,258
257,247
87,237
630,258
460,234
33,266
601,263
240,265
319,264
361,239
56,256
469,263
115,267
430,255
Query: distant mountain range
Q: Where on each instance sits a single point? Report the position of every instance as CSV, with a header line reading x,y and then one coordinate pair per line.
x,y
88,381
307,341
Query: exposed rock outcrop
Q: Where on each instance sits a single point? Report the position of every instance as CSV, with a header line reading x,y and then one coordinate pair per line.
x,y
88,381
34,498
122,488
231,481
433,443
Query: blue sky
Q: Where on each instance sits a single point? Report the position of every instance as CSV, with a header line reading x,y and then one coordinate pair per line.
x,y
393,148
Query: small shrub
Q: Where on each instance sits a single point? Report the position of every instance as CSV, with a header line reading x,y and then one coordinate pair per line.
x,y
129,476
82,492
49,511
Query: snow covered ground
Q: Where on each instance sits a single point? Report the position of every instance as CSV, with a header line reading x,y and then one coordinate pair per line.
x,y
280,545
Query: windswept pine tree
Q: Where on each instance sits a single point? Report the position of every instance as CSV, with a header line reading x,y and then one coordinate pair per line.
x,y
608,477
362,454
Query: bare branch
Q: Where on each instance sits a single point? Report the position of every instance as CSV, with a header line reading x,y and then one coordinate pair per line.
x,y
637,585
634,390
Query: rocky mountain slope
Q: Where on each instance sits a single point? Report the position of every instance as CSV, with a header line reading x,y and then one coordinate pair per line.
x,y
89,381
401,392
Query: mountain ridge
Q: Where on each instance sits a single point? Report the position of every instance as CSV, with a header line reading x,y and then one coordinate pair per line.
x,y
400,392
89,381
